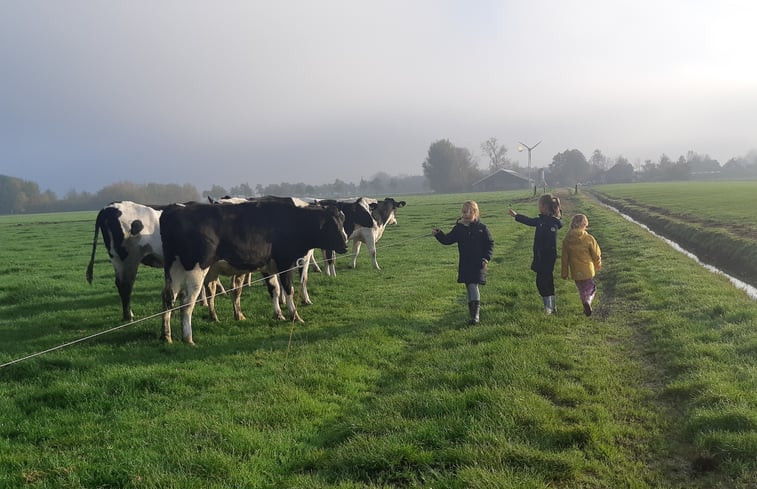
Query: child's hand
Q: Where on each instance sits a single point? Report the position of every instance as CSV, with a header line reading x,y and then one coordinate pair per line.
x,y
512,212
435,230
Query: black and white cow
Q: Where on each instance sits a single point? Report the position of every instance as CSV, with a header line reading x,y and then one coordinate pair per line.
x,y
383,213
356,213
249,236
131,233
237,281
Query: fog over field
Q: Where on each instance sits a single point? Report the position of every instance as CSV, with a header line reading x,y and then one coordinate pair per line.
x,y
205,92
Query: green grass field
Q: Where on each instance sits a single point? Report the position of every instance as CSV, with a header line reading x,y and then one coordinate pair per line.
x,y
714,220
384,386
727,203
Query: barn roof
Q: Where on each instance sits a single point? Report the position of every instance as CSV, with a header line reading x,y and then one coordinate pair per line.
x,y
510,173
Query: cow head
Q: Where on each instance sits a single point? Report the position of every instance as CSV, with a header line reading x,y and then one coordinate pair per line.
x,y
360,213
332,228
383,211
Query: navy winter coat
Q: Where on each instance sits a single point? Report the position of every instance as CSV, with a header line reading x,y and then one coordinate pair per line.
x,y
545,241
475,244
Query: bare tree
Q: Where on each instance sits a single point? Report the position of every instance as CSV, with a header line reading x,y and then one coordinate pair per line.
x,y
497,154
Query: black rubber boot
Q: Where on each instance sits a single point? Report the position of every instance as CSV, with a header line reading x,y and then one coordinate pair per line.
x,y
474,308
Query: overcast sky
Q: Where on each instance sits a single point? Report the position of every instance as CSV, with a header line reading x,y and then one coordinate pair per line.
x,y
229,92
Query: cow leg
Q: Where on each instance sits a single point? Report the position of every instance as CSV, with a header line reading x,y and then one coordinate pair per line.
x,y
126,275
204,293
193,284
311,259
237,282
355,250
329,257
274,289
170,291
212,287
288,289
304,276
372,248
125,287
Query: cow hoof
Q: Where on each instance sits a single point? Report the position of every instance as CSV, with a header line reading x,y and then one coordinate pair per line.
x,y
189,341
167,339
279,317
307,302
297,318
240,317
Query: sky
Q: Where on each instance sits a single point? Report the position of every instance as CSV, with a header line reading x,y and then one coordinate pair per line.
x,y
243,91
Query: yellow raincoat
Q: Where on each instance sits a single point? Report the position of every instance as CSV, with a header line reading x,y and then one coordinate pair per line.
x,y
581,256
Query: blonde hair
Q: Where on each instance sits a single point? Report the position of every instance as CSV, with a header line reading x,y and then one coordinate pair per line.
x,y
472,205
552,204
579,221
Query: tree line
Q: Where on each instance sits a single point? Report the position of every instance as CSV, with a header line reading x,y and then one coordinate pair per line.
x,y
19,196
446,168
449,168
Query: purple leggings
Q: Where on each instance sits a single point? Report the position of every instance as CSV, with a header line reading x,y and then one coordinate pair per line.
x,y
586,289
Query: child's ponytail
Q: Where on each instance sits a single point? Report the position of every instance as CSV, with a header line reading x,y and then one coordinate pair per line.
x,y
552,204
556,209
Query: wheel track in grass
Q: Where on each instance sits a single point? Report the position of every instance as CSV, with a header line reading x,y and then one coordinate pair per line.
x,y
671,456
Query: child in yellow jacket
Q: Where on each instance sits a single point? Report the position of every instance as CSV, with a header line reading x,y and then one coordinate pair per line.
x,y
581,259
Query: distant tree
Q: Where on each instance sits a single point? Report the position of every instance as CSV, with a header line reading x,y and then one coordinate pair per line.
x,y
216,191
9,195
599,161
670,170
497,155
242,190
702,164
621,172
151,193
569,167
19,196
363,186
449,168
735,168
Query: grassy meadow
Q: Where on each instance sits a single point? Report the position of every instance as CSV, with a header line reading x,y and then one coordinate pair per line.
x,y
715,220
384,386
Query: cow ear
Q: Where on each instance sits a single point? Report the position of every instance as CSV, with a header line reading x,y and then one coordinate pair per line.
x,y
373,205
401,203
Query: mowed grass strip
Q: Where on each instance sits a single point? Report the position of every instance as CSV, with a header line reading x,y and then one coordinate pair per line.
x,y
384,386
714,220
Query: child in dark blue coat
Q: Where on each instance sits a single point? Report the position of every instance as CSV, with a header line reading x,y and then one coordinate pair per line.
x,y
545,246
475,244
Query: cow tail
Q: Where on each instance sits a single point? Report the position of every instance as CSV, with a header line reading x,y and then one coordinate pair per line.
x,y
91,266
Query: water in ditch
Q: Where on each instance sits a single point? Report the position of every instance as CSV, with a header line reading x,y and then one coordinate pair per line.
x,y
750,290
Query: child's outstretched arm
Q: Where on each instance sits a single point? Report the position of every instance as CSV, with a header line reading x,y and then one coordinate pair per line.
x,y
445,239
528,221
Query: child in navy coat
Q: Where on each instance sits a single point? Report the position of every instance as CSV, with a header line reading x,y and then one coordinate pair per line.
x,y
475,245
545,246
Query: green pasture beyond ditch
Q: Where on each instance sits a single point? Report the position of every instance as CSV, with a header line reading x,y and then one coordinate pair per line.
x,y
383,386
714,220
